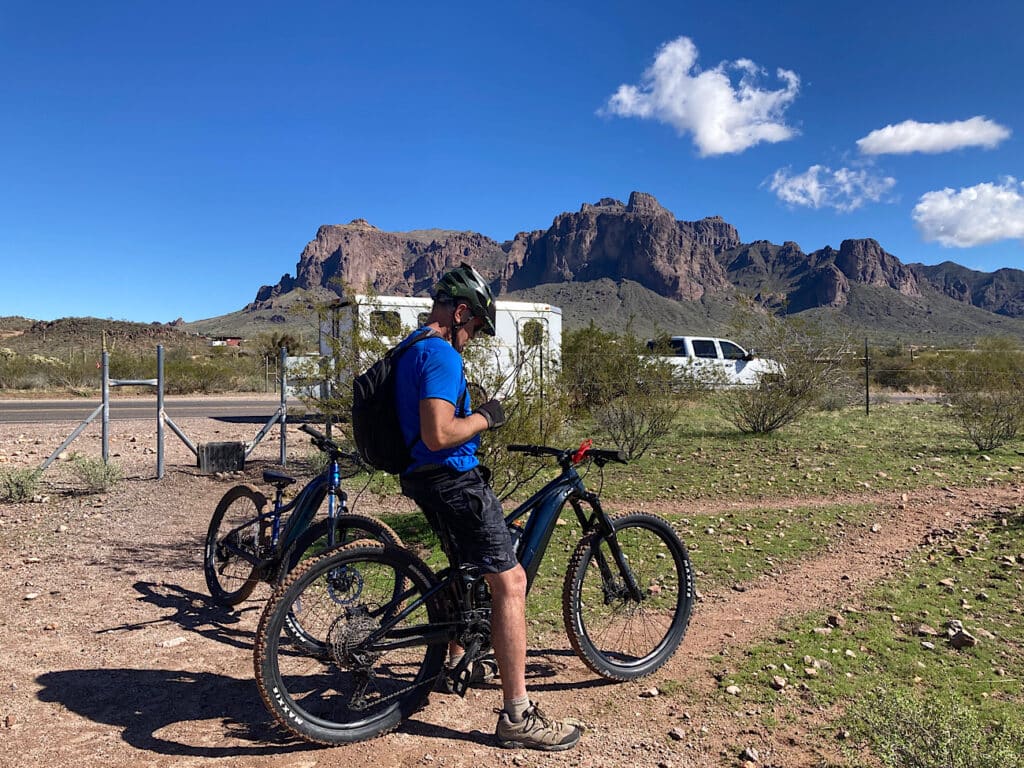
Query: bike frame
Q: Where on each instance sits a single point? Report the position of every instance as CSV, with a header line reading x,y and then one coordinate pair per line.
x,y
303,509
543,508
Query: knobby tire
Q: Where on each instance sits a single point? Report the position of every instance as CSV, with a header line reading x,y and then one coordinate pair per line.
x,y
615,635
231,578
355,692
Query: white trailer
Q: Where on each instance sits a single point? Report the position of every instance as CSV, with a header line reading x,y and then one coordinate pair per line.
x,y
525,350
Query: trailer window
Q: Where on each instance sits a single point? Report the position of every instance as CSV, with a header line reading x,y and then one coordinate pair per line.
x,y
704,348
532,333
385,323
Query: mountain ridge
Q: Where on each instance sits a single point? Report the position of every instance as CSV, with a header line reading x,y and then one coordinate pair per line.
x,y
639,241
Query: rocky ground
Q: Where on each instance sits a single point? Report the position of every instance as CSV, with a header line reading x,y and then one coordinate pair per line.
x,y
111,654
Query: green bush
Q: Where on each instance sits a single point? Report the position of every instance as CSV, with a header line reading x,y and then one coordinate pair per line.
x,y
904,731
19,484
812,370
985,389
97,475
630,393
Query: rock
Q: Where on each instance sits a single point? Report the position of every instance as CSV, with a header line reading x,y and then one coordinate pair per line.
x,y
947,583
750,755
31,596
925,630
963,639
778,683
876,528
650,693
677,734
172,642
836,620
733,690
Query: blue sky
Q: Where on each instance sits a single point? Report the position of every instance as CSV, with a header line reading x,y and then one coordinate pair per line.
x,y
160,160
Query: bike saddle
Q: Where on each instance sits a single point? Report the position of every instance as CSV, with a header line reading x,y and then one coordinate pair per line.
x,y
277,479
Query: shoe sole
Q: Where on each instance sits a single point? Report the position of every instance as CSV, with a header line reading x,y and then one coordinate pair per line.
x,y
508,744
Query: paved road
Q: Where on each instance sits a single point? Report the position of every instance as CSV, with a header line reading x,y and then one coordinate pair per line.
x,y
234,409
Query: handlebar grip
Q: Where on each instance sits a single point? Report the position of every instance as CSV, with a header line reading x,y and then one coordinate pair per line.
x,y
313,432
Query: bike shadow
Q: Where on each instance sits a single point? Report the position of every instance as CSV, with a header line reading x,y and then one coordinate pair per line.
x,y
147,704
191,611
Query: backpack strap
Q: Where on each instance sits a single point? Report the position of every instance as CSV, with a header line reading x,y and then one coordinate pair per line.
x,y
400,349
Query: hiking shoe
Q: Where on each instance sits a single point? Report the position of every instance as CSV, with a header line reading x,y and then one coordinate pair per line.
x,y
536,731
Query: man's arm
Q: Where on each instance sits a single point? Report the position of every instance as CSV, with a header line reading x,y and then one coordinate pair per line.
x,y
440,428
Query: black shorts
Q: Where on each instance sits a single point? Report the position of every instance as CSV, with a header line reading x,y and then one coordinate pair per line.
x,y
467,516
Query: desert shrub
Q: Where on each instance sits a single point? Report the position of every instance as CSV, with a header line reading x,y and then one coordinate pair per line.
x,y
904,731
811,369
634,424
985,389
899,373
206,376
97,475
19,484
630,394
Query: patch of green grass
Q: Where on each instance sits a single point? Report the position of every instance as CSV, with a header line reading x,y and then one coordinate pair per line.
x,y
897,447
740,545
897,639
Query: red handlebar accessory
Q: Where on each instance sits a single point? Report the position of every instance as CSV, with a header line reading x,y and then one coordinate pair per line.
x,y
581,454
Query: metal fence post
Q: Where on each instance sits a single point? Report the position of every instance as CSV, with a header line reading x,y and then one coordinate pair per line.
x,y
105,389
284,409
867,380
160,412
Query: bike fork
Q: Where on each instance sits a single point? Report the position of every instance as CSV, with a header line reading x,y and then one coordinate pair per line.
x,y
600,523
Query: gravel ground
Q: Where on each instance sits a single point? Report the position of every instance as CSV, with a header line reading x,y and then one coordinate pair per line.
x,y
112,656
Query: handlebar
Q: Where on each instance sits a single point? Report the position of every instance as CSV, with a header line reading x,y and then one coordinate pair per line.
x,y
328,446
599,456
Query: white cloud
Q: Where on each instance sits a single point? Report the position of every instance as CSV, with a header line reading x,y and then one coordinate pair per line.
x,y
912,136
984,213
821,187
724,118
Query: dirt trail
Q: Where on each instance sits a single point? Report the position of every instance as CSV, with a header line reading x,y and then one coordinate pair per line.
x,y
117,659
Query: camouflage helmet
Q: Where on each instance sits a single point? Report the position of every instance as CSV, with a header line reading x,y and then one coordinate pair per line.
x,y
464,284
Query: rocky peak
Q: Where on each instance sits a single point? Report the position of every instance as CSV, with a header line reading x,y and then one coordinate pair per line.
x,y
864,261
644,204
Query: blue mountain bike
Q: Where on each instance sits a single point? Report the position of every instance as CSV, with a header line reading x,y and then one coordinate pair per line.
x,y
246,545
384,619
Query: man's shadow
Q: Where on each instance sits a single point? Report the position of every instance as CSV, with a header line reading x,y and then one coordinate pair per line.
x,y
191,611
143,702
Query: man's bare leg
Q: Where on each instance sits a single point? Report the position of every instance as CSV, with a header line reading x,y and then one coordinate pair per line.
x,y
508,629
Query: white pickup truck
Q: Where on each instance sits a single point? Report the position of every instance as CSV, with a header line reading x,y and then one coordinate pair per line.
x,y
717,362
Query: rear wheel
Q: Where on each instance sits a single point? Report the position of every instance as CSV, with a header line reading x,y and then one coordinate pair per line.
x,y
365,685
316,541
618,636
234,544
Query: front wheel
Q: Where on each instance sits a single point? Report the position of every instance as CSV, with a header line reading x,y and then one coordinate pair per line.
x,y
235,542
617,635
384,651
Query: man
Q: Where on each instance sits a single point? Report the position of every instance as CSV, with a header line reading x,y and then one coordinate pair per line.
x,y
447,482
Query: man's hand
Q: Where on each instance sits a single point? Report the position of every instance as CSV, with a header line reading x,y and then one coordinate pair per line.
x,y
493,412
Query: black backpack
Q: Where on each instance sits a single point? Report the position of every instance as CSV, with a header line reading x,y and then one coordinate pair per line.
x,y
375,426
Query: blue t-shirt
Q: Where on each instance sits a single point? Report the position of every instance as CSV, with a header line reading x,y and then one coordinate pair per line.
x,y
433,369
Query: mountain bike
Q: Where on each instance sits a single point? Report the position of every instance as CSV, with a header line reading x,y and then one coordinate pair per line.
x,y
386,619
245,545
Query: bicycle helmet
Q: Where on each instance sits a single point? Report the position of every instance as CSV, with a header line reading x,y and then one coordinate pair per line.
x,y
465,284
